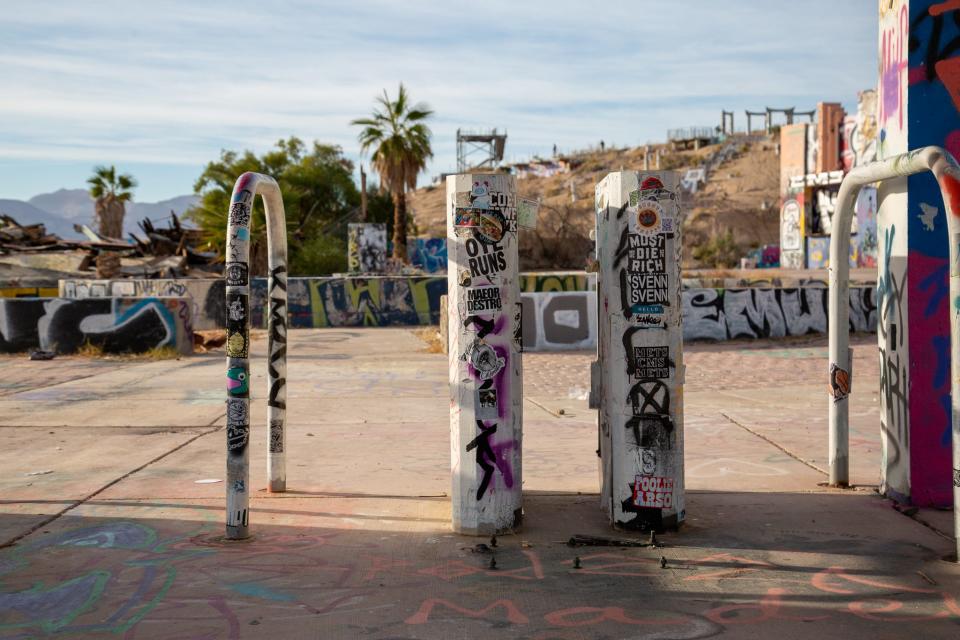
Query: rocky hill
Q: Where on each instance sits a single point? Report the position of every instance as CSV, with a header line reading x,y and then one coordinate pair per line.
x,y
737,206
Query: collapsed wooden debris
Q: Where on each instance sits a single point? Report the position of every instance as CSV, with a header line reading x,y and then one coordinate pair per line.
x,y
170,252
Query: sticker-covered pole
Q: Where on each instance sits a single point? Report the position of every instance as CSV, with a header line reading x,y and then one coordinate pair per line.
x,y
640,350
485,364
237,275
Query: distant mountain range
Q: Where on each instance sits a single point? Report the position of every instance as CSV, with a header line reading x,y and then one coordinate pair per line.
x,y
63,208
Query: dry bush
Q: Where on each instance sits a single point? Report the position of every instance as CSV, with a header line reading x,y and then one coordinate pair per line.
x,y
560,241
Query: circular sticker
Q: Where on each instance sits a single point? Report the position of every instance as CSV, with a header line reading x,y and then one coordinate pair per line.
x,y
648,216
490,226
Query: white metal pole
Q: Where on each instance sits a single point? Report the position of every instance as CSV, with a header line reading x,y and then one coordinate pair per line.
x,y
945,170
237,275
486,420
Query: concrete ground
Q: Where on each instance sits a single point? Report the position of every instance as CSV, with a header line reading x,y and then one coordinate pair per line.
x,y
112,507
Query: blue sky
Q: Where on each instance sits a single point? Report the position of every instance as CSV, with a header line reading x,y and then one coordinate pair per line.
x,y
160,88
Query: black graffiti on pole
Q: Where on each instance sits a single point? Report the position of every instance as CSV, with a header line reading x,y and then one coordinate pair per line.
x,y
486,458
483,325
278,334
651,423
618,256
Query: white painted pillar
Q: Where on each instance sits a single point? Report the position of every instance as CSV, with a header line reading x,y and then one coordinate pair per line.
x,y
640,350
486,385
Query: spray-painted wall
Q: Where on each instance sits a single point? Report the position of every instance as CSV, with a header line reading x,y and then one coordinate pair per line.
x,y
206,295
919,99
16,290
116,325
366,247
428,254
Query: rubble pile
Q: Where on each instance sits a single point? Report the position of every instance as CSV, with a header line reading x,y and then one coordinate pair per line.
x,y
170,252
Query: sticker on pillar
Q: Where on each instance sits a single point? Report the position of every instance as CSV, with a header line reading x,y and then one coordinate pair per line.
x,y
653,491
489,226
667,225
480,195
651,362
956,477
839,383
236,310
237,345
486,404
238,426
649,214
237,384
461,199
648,461
527,213
518,326
645,277
483,300
276,436
465,280
236,274
652,189
244,196
484,359
239,214
485,259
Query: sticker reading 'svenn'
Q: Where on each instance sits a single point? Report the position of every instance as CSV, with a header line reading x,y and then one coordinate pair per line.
x,y
646,275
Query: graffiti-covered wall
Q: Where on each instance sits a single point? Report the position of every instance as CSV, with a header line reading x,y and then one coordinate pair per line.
x,y
919,105
355,302
366,247
557,321
428,254
206,295
116,325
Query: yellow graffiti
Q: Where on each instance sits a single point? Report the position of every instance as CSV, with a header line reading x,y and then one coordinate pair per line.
x,y
29,292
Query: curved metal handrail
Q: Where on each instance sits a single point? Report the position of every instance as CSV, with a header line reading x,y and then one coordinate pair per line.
x,y
237,275
945,170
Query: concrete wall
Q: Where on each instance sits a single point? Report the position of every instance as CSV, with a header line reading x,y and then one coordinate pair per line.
x,y
115,324
559,309
829,134
558,321
207,296
919,105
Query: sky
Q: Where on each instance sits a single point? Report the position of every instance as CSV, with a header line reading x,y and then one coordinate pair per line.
x,y
160,88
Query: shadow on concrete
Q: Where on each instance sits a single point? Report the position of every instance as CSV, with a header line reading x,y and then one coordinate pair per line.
x,y
362,566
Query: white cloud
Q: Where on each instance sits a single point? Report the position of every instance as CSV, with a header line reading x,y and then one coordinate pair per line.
x,y
174,82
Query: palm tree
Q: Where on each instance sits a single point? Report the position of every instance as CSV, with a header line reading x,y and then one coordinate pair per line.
x,y
111,192
401,148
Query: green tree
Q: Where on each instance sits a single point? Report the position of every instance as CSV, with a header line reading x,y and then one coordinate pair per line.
x,y
319,196
111,192
400,140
